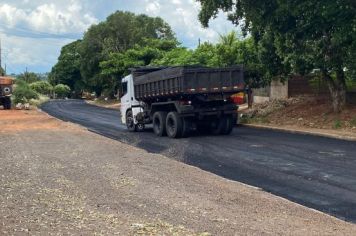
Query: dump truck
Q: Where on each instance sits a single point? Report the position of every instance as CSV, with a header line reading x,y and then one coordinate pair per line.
x,y
6,85
179,100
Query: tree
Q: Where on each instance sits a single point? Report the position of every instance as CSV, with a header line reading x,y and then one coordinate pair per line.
x,y
42,87
2,71
29,77
62,90
306,35
23,93
67,69
103,43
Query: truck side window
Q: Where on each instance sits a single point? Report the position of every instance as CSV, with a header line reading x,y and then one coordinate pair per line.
x,y
124,88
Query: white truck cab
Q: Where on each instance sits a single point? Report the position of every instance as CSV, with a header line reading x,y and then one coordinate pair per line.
x,y
130,107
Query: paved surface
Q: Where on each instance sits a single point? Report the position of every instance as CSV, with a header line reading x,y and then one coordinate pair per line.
x,y
314,171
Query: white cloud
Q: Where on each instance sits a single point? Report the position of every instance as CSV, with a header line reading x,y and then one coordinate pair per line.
x,y
153,7
182,15
20,52
66,17
33,34
33,31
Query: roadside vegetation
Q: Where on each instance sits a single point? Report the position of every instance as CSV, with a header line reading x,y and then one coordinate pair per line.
x,y
270,46
34,89
306,112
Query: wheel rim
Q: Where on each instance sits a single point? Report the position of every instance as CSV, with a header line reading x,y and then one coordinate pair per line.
x,y
140,126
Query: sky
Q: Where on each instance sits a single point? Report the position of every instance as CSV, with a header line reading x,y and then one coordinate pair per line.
x,y
33,31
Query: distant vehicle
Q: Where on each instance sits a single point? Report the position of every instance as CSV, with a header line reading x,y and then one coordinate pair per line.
x,y
177,100
6,86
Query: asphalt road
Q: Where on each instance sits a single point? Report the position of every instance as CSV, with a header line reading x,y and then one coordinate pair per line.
x,y
313,171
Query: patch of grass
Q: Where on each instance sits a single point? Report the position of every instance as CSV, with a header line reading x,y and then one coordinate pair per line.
x,y
353,122
244,120
260,120
337,124
40,100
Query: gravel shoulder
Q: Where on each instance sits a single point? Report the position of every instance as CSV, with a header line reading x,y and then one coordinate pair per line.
x,y
58,178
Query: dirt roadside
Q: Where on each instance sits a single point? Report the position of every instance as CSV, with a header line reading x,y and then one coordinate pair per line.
x,y
58,178
304,114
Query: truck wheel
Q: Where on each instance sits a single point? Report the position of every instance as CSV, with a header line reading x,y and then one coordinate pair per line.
x,y
140,127
130,124
7,103
159,123
218,125
174,125
228,125
187,127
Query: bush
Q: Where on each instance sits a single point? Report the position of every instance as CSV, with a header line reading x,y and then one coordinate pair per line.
x,y
23,93
62,91
42,87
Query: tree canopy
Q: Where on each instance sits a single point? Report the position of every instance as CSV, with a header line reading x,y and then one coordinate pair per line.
x,y
67,70
301,35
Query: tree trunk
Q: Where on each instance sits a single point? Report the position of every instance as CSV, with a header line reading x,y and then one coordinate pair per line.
x,y
337,89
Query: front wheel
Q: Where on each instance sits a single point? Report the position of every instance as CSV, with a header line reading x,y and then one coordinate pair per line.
x,y
130,123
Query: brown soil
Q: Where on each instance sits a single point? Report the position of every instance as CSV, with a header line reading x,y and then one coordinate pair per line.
x,y
315,113
20,120
306,113
112,104
59,179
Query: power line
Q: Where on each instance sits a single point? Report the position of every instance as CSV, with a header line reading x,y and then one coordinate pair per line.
x,y
18,31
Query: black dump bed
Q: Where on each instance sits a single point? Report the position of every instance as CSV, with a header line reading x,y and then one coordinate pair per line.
x,y
172,81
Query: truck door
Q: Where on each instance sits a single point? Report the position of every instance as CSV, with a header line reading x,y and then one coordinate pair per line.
x,y
125,99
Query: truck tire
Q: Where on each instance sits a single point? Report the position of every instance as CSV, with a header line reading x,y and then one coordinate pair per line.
x,y
187,127
228,125
218,125
131,126
174,125
7,103
140,127
159,123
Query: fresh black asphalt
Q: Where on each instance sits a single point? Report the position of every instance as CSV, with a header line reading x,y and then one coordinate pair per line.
x,y
313,171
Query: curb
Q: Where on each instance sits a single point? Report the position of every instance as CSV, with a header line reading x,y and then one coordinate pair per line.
x,y
303,132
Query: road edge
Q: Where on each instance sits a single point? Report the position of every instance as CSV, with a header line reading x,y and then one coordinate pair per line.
x,y
303,132
200,169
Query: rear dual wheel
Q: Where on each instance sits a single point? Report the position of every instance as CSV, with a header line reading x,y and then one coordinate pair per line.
x,y
170,124
177,126
159,123
223,125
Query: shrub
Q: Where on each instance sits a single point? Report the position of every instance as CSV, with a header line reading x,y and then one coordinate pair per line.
x,y
23,93
61,90
337,124
42,87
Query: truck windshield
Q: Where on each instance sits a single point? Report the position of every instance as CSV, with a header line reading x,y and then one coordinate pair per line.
x,y
124,88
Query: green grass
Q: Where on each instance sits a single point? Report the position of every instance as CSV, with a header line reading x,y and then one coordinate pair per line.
x,y
353,122
337,124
